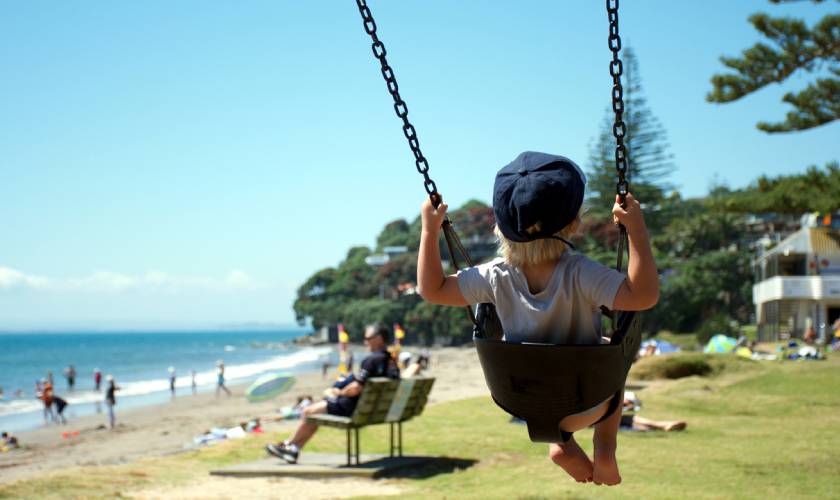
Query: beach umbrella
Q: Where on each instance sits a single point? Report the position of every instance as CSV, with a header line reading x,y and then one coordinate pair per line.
x,y
269,386
721,343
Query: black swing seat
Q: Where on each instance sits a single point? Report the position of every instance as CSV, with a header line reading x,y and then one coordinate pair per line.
x,y
543,383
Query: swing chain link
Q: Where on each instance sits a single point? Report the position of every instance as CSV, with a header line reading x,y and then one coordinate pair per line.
x,y
619,129
400,107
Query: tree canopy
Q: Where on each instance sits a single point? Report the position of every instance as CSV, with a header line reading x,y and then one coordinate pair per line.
x,y
702,249
817,190
356,293
790,47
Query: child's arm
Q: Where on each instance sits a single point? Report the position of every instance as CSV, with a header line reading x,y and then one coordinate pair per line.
x,y
641,288
432,284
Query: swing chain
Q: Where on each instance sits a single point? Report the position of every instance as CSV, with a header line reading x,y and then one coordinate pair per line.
x,y
619,127
400,107
619,131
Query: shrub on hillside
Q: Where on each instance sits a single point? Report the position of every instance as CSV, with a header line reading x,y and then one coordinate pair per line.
x,y
671,366
679,365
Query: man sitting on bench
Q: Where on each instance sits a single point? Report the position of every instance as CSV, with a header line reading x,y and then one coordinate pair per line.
x,y
342,401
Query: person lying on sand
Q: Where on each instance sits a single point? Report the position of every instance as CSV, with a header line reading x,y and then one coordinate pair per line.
x,y
631,421
7,442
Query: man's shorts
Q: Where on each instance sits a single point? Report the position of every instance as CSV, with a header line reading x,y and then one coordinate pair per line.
x,y
341,406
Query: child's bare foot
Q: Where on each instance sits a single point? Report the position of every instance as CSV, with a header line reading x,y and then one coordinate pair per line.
x,y
605,467
572,459
675,426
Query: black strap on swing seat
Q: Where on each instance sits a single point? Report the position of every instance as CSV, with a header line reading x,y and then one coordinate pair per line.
x,y
542,384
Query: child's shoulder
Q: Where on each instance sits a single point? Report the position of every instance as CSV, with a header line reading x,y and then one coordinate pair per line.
x,y
496,263
490,270
493,266
581,260
583,268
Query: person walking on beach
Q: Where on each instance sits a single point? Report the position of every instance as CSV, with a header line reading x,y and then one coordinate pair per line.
x,y
70,375
60,405
220,378
97,379
192,381
172,379
111,400
44,392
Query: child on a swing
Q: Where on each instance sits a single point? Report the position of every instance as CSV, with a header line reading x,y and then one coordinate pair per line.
x,y
541,288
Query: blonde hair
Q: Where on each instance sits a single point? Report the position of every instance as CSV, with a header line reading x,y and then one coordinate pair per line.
x,y
533,252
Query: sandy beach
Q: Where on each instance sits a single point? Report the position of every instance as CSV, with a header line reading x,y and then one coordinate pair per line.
x,y
169,428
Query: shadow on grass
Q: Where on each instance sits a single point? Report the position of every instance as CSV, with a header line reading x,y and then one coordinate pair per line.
x,y
431,467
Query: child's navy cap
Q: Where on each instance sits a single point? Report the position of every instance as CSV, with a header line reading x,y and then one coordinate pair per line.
x,y
537,187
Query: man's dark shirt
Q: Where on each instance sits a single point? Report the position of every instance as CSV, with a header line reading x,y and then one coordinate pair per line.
x,y
376,364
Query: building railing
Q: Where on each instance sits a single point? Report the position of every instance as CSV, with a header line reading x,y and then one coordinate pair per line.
x,y
797,287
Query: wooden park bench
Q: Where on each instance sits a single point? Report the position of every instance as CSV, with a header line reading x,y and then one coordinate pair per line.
x,y
383,401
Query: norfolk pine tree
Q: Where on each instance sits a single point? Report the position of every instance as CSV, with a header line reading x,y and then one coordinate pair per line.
x,y
649,162
648,167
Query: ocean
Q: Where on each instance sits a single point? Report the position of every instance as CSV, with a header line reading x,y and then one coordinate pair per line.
x,y
139,363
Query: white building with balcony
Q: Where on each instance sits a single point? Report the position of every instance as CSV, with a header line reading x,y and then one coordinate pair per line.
x,y
797,285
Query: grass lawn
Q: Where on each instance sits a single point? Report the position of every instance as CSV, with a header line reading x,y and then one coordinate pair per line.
x,y
757,430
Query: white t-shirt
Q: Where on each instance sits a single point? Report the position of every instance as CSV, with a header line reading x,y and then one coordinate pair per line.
x,y
565,312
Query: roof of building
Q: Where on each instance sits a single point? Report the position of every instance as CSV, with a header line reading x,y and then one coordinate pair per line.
x,y
812,240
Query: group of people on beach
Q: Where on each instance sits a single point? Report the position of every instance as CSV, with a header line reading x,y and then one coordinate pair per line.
x,y
111,397
69,373
54,406
220,380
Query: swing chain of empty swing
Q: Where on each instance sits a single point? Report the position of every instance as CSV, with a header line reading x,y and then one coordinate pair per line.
x,y
399,105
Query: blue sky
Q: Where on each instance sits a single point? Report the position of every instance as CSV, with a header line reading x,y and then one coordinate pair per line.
x,y
191,163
